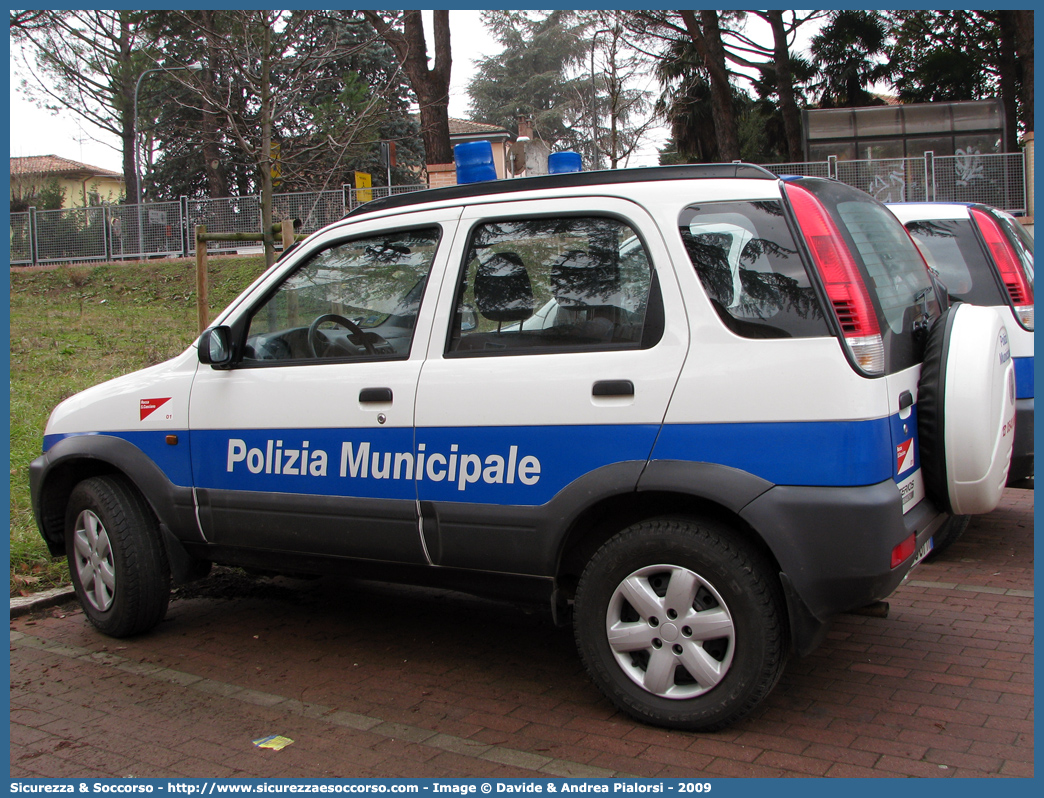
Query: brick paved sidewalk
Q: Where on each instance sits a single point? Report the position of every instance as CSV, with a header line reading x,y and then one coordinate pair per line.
x,y
374,680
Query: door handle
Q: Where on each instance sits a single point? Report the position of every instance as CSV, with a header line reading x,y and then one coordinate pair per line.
x,y
368,395
613,388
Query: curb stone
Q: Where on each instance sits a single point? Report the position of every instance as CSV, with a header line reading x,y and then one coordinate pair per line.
x,y
23,605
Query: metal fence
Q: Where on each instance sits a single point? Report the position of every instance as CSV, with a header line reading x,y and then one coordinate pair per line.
x,y
998,180
166,229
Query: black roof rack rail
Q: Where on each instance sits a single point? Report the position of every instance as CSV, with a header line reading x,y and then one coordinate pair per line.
x,y
566,180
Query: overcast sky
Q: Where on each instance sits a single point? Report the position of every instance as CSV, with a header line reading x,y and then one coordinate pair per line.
x,y
38,132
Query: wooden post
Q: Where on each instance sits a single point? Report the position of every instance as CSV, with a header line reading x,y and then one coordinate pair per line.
x,y
201,277
287,232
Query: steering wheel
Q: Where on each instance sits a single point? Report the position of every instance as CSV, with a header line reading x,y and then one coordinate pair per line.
x,y
353,328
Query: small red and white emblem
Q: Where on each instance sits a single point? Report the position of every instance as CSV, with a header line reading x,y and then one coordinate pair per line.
x,y
149,406
904,456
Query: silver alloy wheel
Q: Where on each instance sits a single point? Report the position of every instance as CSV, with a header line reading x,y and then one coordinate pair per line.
x,y
670,631
94,560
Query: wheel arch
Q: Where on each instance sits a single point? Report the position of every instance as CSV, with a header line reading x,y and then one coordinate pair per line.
x,y
665,488
72,460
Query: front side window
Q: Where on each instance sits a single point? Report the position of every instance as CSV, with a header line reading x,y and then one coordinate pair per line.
x,y
572,283
357,299
746,258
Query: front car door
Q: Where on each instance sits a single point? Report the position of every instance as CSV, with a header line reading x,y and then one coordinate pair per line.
x,y
305,445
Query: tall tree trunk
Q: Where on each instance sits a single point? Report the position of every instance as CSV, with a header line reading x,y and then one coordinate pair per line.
x,y
130,164
1007,68
785,87
217,182
1024,51
706,35
430,85
265,161
128,124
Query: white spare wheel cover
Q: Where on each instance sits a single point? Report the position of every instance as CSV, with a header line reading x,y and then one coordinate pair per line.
x,y
966,410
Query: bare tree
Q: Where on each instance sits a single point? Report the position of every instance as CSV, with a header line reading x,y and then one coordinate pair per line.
x,y
613,94
268,60
86,62
704,31
404,33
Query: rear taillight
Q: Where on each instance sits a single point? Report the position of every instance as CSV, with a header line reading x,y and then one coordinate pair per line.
x,y
1007,259
841,278
903,550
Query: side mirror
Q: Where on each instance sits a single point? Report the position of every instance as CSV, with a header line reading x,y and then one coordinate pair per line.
x,y
215,347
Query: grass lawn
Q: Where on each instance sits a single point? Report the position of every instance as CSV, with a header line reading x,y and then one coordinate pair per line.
x,y
76,326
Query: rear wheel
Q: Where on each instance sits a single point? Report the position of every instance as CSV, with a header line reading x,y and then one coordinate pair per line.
x,y
680,624
118,566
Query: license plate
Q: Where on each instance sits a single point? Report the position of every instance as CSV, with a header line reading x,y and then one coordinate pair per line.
x,y
924,551
912,491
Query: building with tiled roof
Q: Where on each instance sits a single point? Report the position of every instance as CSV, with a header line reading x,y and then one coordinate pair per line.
x,y
464,130
84,185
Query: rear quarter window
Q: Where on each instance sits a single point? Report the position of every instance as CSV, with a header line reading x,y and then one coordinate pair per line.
x,y
893,264
893,270
745,256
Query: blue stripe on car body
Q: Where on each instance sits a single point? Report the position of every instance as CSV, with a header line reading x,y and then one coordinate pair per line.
x,y
515,465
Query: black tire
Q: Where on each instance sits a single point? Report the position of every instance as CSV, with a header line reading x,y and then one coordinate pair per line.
x,y
931,417
118,565
744,648
948,534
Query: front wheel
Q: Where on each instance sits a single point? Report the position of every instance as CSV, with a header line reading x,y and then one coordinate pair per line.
x,y
680,624
118,566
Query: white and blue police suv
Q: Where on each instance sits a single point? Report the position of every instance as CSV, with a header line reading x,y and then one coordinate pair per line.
x,y
984,256
700,409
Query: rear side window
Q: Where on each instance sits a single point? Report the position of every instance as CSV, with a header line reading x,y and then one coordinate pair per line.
x,y
745,256
953,251
540,285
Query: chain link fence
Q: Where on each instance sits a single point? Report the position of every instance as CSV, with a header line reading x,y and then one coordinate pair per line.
x,y
315,209
226,215
887,179
70,234
21,239
166,229
998,180
360,196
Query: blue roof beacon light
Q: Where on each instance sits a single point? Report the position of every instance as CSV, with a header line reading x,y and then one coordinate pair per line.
x,y
474,161
560,162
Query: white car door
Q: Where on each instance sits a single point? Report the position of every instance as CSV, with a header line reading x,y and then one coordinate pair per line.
x,y
558,341
303,445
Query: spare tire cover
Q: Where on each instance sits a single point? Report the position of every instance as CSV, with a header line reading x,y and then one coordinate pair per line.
x,y
966,410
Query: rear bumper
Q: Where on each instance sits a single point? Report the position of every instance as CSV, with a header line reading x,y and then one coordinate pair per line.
x,y
834,547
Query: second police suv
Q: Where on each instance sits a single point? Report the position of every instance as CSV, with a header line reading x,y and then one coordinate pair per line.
x,y
696,410
984,256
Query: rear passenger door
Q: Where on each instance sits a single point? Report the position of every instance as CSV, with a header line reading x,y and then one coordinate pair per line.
x,y
558,340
